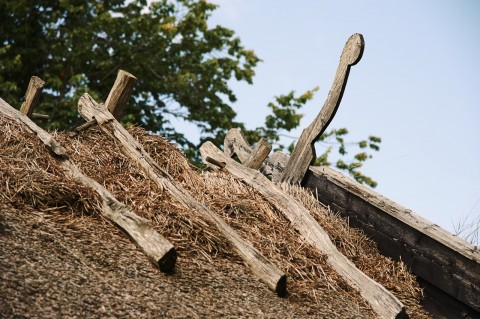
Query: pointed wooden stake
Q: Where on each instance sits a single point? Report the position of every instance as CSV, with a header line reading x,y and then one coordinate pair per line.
x,y
304,152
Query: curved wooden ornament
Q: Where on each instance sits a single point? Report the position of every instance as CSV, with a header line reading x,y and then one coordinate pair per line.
x,y
304,152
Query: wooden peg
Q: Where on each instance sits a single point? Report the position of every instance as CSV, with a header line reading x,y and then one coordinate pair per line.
x,y
236,143
34,90
259,154
304,152
117,99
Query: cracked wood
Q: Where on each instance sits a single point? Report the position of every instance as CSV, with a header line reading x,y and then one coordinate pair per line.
x,y
264,269
382,301
155,246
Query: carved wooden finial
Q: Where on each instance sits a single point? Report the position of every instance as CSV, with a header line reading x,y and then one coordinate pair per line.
x,y
304,152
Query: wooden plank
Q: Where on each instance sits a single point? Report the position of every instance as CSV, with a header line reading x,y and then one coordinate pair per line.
x,y
156,247
381,300
266,271
119,95
432,253
34,90
304,152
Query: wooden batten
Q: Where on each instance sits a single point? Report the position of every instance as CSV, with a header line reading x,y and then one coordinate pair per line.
x,y
265,270
381,300
119,95
34,90
155,246
235,143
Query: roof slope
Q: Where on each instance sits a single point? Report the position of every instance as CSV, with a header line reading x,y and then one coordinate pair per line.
x,y
59,257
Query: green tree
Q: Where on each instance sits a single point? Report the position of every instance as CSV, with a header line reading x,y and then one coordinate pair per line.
x,y
78,45
182,63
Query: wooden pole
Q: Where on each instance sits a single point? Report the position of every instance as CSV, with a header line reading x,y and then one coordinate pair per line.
x,y
34,90
267,272
235,143
117,99
381,300
156,247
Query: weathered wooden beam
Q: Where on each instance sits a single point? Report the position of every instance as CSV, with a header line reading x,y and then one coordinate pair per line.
x,y
433,254
304,152
119,95
236,143
266,271
117,100
381,300
34,90
156,247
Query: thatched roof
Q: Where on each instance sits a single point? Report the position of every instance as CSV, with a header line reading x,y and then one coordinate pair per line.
x,y
60,258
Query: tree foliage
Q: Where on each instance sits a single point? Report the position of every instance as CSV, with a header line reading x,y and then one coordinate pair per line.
x,y
184,67
78,45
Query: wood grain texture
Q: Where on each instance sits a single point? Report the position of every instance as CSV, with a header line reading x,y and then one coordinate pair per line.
x,y
156,247
432,253
266,271
119,95
34,90
382,301
304,152
440,258
259,154
235,143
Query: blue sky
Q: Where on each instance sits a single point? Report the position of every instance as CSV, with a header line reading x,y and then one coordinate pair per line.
x,y
417,87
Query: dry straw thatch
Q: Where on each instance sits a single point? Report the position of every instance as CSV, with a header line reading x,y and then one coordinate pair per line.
x,y
31,178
